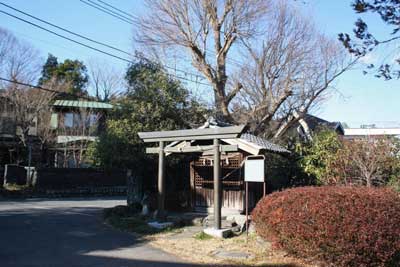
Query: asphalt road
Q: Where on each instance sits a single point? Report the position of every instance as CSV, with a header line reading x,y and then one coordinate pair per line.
x,y
69,233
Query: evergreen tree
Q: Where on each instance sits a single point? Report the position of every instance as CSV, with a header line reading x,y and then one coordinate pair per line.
x,y
70,72
153,102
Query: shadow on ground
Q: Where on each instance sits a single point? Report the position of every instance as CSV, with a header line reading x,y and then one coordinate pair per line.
x,y
38,235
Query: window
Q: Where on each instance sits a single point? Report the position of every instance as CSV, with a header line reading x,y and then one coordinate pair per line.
x,y
69,120
81,121
93,118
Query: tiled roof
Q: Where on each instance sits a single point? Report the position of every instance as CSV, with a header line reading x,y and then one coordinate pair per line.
x,y
247,142
265,144
82,104
261,143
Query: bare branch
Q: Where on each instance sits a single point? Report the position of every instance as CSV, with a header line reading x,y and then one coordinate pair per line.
x,y
200,27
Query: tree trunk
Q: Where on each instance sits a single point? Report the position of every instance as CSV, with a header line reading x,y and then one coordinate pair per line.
x,y
221,106
369,181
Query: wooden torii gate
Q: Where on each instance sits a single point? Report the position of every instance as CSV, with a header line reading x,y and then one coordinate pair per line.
x,y
214,134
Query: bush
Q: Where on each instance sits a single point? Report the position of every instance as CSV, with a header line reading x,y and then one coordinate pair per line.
x,y
336,161
342,226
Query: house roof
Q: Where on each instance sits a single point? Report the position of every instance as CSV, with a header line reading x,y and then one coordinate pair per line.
x,y
255,145
82,104
314,122
263,143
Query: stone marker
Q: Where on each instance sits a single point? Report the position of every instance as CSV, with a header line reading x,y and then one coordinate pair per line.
x,y
220,233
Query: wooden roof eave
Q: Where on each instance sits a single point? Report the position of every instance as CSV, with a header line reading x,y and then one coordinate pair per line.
x,y
245,145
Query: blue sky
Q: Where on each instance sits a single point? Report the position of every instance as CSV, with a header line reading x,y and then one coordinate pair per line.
x,y
361,99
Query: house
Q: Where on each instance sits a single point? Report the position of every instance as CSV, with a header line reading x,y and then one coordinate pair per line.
x,y
73,125
305,127
76,123
362,133
314,123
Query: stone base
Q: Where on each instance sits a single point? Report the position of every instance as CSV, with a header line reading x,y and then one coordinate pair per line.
x,y
160,225
219,233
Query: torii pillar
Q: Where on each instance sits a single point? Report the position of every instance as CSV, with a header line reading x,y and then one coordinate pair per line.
x,y
217,185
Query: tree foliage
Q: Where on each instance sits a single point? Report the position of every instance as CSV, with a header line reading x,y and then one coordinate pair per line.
x,y
363,41
153,102
71,72
319,156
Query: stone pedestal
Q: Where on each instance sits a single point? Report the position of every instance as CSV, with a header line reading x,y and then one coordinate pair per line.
x,y
219,233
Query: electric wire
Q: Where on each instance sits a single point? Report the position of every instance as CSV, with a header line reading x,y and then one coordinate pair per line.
x,y
40,87
107,12
113,7
236,62
85,37
99,50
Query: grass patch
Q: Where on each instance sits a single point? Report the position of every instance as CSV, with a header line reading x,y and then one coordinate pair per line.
x,y
15,187
131,224
128,219
202,236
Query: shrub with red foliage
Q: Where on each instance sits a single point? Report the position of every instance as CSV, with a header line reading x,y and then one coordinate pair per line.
x,y
342,226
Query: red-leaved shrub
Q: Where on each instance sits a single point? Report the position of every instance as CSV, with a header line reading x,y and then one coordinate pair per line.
x,y
341,226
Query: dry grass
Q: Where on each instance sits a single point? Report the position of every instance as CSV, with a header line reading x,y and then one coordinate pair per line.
x,y
15,187
201,250
188,243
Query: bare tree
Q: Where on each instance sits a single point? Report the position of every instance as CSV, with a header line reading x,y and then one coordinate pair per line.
x,y
27,105
106,81
371,161
46,130
20,63
208,30
79,135
291,70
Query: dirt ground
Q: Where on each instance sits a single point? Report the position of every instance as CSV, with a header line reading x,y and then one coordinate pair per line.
x,y
189,245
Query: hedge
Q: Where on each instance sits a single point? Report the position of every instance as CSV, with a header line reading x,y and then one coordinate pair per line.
x,y
341,226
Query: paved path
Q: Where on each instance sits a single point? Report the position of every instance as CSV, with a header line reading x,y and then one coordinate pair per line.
x,y
69,233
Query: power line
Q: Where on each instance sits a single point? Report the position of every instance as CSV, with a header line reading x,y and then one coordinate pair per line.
x,y
64,37
99,50
115,15
85,37
66,30
113,7
45,89
110,10
40,88
97,6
